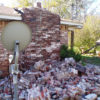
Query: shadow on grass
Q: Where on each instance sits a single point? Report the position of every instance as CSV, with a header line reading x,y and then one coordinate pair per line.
x,y
91,59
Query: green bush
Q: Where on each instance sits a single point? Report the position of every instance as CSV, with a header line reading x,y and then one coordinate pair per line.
x,y
77,57
71,53
66,53
89,34
63,51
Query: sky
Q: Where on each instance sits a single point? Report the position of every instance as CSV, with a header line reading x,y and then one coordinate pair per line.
x,y
95,7
9,3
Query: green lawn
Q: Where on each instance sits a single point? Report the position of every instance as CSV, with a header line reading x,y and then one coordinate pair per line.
x,y
91,59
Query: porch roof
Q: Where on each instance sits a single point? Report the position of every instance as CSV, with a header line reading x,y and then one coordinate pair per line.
x,y
71,23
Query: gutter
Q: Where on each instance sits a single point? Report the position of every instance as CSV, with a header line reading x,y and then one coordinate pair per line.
x,y
73,24
9,17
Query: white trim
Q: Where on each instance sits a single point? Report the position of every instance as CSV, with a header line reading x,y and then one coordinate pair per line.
x,y
78,25
7,17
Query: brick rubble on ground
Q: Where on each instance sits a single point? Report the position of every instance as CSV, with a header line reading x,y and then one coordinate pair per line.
x,y
55,80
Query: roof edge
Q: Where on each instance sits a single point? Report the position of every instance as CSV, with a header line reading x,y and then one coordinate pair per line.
x,y
8,17
69,23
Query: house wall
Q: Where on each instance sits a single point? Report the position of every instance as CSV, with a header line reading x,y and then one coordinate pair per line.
x,y
64,34
3,23
64,37
4,63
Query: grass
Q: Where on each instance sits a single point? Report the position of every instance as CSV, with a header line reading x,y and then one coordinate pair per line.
x,y
87,58
91,59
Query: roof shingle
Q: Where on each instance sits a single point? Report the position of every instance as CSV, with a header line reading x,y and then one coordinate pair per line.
x,y
8,11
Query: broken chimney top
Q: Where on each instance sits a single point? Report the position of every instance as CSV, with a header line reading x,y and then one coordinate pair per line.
x,y
39,4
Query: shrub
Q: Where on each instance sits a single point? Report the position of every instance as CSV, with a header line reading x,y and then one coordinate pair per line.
x,y
77,57
66,53
63,51
71,53
89,34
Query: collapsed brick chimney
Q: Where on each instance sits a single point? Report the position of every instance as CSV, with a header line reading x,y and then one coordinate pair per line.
x,y
45,42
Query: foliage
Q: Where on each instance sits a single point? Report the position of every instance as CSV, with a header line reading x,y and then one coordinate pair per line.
x,y
66,53
83,63
24,3
87,37
77,57
63,51
58,6
73,9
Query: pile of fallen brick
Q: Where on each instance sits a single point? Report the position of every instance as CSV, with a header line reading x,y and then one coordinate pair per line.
x,y
55,80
